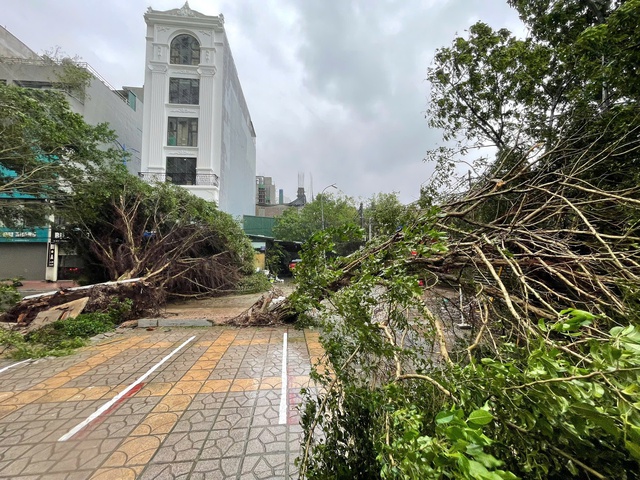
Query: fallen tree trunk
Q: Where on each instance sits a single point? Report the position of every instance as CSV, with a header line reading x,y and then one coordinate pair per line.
x,y
272,308
100,297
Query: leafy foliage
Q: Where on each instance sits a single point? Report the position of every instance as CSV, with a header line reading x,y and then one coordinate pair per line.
x,y
537,255
386,214
9,296
300,224
392,403
574,77
46,150
162,232
254,283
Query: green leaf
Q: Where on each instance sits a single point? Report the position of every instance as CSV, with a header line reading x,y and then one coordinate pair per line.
x,y
480,417
445,417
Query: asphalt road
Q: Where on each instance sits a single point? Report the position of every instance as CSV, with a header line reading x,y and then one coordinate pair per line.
x,y
180,403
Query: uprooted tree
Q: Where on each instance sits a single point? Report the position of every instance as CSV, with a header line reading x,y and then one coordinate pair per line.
x,y
182,244
539,257
176,244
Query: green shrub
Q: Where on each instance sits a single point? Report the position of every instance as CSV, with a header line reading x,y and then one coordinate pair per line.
x,y
255,283
9,296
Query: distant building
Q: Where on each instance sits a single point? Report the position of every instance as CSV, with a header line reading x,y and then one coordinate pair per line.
x,y
301,199
265,191
197,127
31,252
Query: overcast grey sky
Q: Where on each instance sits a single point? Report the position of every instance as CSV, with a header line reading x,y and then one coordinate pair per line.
x,y
335,87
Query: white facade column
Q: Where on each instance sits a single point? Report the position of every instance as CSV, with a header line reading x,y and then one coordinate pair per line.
x,y
206,151
157,120
218,93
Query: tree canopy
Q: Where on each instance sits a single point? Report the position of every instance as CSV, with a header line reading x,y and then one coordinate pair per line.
x,y
299,224
381,214
46,151
574,77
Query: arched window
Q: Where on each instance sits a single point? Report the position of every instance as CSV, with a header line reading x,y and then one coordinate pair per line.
x,y
185,50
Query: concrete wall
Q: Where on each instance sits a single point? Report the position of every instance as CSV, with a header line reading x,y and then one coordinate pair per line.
x,y
238,148
103,105
11,46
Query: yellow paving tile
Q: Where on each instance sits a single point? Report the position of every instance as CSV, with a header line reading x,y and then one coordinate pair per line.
x,y
7,409
210,357
58,395
173,403
245,384
299,381
195,375
134,451
155,389
259,341
215,386
216,350
270,383
205,365
182,387
225,339
91,393
59,380
28,396
156,424
5,395
148,345
56,381
242,341
130,473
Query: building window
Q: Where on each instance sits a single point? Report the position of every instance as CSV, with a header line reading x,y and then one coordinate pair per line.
x,y
33,84
181,171
184,90
185,50
182,132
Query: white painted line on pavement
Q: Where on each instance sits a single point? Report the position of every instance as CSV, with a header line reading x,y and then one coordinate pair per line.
x,y
111,402
283,392
14,365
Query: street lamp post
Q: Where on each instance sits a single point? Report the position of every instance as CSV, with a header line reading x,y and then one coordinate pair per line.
x,y
333,185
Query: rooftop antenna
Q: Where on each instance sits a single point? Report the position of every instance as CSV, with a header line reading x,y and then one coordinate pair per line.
x,y
311,185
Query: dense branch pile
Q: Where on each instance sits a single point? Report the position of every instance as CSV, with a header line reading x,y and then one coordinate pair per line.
x,y
542,239
546,250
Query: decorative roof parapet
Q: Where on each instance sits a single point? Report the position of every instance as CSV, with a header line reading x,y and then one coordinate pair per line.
x,y
184,11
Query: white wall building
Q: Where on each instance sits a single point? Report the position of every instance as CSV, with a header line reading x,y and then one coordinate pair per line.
x,y
197,131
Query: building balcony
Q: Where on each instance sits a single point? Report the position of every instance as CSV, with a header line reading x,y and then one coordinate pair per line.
x,y
186,179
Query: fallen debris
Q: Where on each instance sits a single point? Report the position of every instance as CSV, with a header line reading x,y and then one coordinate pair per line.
x,y
60,312
270,309
35,311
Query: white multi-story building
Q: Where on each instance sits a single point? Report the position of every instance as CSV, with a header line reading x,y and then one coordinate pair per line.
x,y
197,131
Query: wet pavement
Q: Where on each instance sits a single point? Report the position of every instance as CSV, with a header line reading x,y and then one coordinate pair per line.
x,y
184,403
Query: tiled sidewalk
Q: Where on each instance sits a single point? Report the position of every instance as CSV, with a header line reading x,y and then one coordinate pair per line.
x,y
212,411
